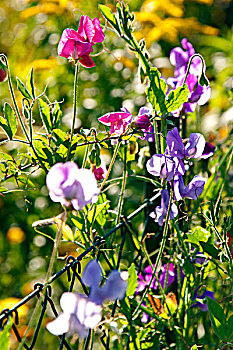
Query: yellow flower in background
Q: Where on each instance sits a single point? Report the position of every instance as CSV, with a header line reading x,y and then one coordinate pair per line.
x,y
15,235
164,20
8,303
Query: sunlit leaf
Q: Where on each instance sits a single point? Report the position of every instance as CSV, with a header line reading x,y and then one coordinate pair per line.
x,y
217,318
9,123
22,88
132,281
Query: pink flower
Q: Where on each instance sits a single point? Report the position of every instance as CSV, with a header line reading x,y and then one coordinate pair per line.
x,y
100,172
117,120
71,186
78,45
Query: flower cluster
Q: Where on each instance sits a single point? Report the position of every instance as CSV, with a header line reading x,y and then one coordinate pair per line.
x,y
81,312
118,121
78,45
170,166
71,186
198,94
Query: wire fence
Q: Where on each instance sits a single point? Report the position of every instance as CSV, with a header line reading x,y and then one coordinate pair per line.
x,y
73,271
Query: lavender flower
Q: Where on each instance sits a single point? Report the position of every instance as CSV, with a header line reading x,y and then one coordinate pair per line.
x,y
180,58
81,312
71,186
193,149
192,191
160,213
165,166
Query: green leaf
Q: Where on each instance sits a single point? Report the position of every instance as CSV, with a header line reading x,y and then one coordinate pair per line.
x,y
132,281
57,113
45,115
210,249
106,12
5,336
199,234
95,211
30,84
9,123
22,88
44,152
176,98
217,318
230,328
156,92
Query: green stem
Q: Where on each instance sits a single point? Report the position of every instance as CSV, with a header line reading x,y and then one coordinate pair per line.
x,y
75,99
37,309
157,148
189,65
16,108
159,254
123,185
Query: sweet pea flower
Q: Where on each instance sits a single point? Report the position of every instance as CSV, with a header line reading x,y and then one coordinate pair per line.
x,y
192,191
100,172
117,121
180,58
77,45
208,150
143,281
81,312
198,94
160,212
200,299
193,149
71,186
165,166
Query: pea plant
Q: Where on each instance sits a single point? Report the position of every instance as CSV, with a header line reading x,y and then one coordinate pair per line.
x,y
163,284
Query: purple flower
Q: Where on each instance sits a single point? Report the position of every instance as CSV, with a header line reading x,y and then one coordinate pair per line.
x,y
160,213
117,120
100,172
180,58
192,191
193,149
78,45
142,121
198,95
114,288
144,281
81,312
200,299
165,166
71,186
208,151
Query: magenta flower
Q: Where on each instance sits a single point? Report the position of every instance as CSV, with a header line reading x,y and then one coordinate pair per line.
x,y
71,186
78,45
100,172
193,149
180,58
192,191
117,121
165,166
81,312
160,212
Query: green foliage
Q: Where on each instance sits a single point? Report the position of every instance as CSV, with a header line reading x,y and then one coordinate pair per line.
x,y
217,318
132,281
4,336
9,123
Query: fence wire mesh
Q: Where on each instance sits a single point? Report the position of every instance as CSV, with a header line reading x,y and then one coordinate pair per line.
x,y
73,271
